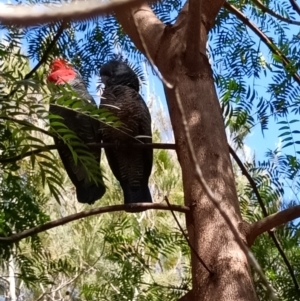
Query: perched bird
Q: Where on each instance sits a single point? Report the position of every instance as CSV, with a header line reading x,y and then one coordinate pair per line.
x,y
130,165
86,128
117,72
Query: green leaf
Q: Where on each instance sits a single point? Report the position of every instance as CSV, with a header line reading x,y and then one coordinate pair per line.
x,y
287,144
284,128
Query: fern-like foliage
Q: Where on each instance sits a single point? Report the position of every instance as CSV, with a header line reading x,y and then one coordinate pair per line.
x,y
136,256
125,257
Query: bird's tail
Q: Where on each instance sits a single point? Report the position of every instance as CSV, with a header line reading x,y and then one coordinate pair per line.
x,y
89,193
134,195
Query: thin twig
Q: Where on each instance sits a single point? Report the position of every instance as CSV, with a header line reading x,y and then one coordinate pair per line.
x,y
141,206
74,280
44,56
273,48
91,145
48,50
286,261
171,287
295,6
5,160
26,123
265,213
218,204
57,289
96,118
25,15
187,239
250,180
274,14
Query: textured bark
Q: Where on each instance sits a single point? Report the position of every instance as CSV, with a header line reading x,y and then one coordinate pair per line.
x,y
208,232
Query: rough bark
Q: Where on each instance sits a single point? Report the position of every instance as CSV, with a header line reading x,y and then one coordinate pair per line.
x,y
208,232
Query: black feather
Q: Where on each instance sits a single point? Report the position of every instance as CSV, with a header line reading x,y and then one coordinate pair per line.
x,y
131,166
88,130
117,72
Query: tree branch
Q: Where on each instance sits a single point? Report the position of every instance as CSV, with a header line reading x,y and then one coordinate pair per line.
x,y
183,15
295,6
187,239
193,36
130,207
265,213
92,145
273,221
25,15
209,12
273,48
143,27
274,14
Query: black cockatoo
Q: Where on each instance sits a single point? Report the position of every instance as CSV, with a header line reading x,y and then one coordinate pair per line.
x,y
130,165
87,129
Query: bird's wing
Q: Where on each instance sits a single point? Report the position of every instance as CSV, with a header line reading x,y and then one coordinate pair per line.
x,y
86,130
126,104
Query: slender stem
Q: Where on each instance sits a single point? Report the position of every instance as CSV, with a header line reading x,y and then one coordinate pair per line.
x,y
44,56
59,222
274,14
187,239
252,236
26,123
91,145
273,48
48,50
250,180
295,6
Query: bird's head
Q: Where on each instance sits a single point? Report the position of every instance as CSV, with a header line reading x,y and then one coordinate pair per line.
x,y
61,71
117,72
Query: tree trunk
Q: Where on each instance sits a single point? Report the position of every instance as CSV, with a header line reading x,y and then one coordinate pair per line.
x,y
172,48
208,232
